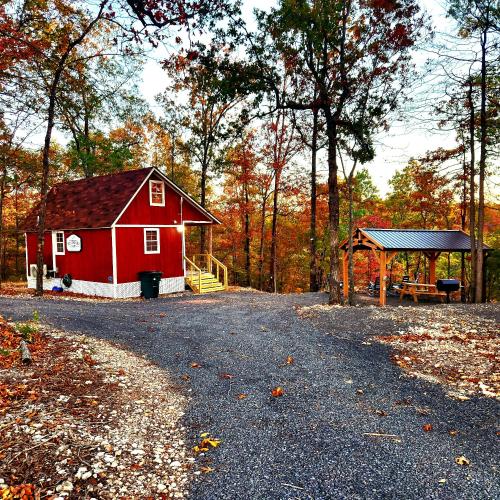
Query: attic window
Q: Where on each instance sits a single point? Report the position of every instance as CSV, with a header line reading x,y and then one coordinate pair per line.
x,y
157,193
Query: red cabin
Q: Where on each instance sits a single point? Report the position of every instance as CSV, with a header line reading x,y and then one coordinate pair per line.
x,y
104,230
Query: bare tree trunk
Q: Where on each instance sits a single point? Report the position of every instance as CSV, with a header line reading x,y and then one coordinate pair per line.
x,y
172,157
350,251
45,181
247,238
313,273
274,235
472,189
463,216
46,146
262,237
482,173
333,203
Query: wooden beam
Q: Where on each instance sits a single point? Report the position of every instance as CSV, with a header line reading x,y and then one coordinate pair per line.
x,y
346,274
210,249
391,256
210,239
432,256
383,284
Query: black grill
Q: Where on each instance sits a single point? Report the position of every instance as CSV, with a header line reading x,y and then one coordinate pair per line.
x,y
448,286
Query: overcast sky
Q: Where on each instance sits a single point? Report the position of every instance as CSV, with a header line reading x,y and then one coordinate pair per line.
x,y
395,148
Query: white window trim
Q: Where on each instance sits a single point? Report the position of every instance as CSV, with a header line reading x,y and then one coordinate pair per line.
x,y
151,182
157,230
55,233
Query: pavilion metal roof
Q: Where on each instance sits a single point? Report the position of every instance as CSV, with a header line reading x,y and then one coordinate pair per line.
x,y
415,239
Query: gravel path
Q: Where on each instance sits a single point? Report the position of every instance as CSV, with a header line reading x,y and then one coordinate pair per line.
x,y
310,443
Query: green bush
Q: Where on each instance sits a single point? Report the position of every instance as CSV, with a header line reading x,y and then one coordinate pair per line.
x,y
26,330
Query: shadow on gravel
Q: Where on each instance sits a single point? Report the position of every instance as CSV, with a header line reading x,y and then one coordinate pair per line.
x,y
349,425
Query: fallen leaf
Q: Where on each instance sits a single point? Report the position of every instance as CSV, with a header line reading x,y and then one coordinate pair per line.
x,y
277,392
212,442
427,427
162,315
206,443
206,470
185,377
461,460
290,360
195,365
442,481
88,359
242,396
135,466
224,375
452,433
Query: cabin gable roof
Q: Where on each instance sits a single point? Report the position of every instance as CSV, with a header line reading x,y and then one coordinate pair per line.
x,y
97,202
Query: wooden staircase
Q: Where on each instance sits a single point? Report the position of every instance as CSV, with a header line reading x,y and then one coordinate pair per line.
x,y
205,274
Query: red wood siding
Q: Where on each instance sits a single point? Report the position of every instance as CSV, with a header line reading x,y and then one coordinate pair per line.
x,y
191,213
93,263
131,258
47,249
141,212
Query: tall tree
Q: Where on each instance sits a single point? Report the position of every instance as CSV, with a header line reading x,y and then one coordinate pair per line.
x,y
338,46
282,144
212,114
480,19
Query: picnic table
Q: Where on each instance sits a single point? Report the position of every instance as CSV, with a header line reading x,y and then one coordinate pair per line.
x,y
420,289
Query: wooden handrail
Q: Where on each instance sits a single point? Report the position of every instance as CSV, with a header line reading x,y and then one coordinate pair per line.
x,y
218,263
211,261
197,269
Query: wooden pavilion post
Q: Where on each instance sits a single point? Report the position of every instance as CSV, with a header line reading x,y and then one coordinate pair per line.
x,y
209,247
346,274
383,283
432,256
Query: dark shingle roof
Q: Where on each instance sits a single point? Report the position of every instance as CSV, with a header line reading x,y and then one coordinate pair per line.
x,y
420,239
97,202
88,203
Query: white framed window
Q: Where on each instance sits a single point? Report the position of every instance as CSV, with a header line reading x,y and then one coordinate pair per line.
x,y
59,243
151,240
157,193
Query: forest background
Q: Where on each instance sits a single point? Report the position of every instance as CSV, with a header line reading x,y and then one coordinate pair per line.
x,y
228,103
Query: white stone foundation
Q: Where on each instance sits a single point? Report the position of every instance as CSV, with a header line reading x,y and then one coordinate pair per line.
x,y
120,291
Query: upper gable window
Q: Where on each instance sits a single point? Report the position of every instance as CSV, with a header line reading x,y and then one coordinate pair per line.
x,y
157,193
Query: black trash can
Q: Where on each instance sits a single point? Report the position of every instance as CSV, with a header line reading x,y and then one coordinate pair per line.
x,y
150,284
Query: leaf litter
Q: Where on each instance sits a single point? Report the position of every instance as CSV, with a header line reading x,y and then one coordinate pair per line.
x,y
88,419
456,346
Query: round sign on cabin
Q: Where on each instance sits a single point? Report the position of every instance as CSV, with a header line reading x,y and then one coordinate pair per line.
x,y
73,243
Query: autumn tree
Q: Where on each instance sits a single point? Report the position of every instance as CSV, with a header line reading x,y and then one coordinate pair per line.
x,y
339,46
211,115
310,129
479,21
240,188
55,33
99,93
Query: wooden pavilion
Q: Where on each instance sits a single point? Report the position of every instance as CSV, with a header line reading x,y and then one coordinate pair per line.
x,y
386,243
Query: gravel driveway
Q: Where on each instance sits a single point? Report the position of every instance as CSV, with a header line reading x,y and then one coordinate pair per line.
x,y
311,442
